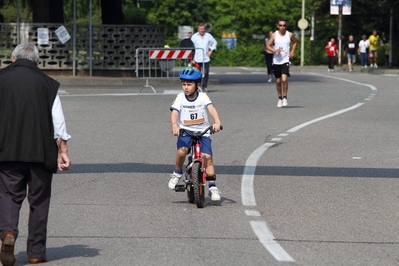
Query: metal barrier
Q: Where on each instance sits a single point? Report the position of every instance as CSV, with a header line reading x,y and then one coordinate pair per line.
x,y
162,63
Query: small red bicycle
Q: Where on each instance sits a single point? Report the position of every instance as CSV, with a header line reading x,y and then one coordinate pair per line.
x,y
195,175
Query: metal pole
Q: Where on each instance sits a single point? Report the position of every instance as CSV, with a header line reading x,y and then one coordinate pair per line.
x,y
91,39
18,23
390,37
339,33
303,35
74,40
312,37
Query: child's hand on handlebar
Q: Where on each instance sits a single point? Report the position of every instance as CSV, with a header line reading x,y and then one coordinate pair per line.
x,y
216,127
175,130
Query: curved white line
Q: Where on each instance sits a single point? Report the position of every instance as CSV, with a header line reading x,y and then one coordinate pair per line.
x,y
324,117
247,185
266,237
260,228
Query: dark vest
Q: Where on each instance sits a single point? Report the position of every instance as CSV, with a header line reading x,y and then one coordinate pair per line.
x,y
26,125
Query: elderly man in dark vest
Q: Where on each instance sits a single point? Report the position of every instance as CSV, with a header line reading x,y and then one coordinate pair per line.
x,y
33,144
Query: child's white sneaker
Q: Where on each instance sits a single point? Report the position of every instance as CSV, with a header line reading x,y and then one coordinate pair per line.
x,y
214,193
174,179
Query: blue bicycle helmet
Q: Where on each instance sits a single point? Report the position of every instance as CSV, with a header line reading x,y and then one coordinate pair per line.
x,y
191,73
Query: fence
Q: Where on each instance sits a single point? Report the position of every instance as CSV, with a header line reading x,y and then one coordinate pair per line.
x,y
113,46
162,63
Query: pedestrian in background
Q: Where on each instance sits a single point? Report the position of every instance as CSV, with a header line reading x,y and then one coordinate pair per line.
x,y
33,144
269,58
374,41
204,44
386,51
186,43
350,49
282,44
332,52
362,50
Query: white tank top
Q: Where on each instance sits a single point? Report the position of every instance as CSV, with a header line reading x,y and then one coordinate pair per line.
x,y
283,43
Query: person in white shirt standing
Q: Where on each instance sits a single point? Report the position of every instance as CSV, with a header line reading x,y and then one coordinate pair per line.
x,y
364,45
283,51
204,44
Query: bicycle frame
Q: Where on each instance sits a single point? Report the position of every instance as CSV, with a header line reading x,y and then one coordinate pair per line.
x,y
197,157
195,174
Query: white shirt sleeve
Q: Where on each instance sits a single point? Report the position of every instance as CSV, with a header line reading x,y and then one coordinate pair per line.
x,y
59,120
213,43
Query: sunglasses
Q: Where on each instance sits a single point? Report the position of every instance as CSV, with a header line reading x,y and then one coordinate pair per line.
x,y
282,25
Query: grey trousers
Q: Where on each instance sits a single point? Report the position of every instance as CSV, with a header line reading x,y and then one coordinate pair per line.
x,y
15,178
206,74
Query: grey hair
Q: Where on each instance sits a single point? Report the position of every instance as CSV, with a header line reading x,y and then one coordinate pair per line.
x,y
26,51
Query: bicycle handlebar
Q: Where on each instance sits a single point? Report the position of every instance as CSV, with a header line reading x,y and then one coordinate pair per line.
x,y
197,133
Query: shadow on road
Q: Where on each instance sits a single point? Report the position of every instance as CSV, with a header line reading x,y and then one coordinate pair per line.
x,y
238,170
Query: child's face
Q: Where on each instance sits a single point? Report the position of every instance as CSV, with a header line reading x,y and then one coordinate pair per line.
x,y
189,87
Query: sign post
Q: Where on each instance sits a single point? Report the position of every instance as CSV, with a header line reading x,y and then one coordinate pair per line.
x,y
339,33
303,24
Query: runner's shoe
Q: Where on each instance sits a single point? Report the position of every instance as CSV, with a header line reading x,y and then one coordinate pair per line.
x,y
285,102
280,103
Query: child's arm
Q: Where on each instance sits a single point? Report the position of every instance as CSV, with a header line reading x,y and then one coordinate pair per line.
x,y
216,121
173,119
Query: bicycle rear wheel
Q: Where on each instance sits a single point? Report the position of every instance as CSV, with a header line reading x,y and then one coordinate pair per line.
x,y
199,189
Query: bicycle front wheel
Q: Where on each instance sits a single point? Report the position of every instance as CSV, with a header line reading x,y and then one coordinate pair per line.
x,y
199,189
190,193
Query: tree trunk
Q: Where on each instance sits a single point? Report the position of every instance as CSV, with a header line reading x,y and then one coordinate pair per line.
x,y
40,11
111,12
56,11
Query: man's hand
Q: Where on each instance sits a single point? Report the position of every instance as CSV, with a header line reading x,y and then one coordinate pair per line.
x,y
64,162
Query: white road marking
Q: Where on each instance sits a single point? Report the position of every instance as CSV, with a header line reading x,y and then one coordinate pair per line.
x,y
252,213
266,238
168,92
62,92
324,117
276,139
247,181
260,228
172,91
233,73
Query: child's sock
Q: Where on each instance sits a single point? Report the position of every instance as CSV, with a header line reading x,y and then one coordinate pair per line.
x,y
179,171
212,184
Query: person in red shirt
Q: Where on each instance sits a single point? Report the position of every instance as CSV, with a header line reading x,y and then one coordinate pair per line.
x,y
331,52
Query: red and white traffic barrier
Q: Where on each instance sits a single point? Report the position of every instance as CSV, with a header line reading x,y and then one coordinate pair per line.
x,y
171,54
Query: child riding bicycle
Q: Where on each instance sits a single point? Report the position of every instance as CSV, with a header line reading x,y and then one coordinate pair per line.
x,y
189,111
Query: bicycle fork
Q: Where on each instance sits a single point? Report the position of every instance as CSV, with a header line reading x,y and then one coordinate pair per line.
x,y
188,181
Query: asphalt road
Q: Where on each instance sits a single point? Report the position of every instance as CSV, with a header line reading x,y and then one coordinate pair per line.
x,y
315,183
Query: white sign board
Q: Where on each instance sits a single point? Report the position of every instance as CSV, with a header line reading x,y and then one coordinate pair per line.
x,y
62,34
42,36
346,7
182,31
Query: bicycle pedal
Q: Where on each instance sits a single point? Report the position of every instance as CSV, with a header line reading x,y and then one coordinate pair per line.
x,y
180,188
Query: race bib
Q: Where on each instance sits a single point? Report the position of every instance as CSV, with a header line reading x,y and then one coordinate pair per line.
x,y
193,116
